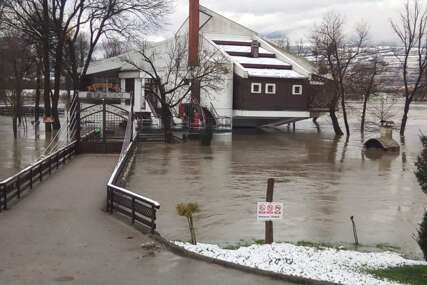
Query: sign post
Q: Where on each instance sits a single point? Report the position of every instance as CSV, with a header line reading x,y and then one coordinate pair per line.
x,y
269,224
269,211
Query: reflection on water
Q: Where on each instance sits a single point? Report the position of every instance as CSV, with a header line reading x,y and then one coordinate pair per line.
x,y
322,181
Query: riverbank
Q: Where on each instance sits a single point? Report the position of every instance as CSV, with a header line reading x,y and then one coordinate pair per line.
x,y
313,263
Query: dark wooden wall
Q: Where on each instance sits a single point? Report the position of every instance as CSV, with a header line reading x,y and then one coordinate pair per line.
x,y
283,100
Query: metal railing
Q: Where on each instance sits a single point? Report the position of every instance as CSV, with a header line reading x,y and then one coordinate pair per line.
x,y
14,186
222,122
137,207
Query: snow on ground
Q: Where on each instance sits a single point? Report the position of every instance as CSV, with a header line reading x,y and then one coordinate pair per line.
x,y
326,264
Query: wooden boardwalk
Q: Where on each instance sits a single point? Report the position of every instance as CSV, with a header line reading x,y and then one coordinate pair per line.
x,y
59,233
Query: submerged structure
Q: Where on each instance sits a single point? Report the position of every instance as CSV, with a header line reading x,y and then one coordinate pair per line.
x,y
264,85
385,141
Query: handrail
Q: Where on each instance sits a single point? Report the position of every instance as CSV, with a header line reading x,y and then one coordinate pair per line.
x,y
13,186
152,107
128,203
213,110
34,163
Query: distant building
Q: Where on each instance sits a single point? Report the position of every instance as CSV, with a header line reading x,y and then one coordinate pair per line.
x,y
265,85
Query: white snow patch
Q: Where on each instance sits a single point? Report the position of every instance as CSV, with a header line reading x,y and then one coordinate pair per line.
x,y
235,48
260,60
274,73
326,264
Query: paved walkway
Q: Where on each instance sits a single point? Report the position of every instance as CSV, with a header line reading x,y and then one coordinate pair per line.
x,y
60,234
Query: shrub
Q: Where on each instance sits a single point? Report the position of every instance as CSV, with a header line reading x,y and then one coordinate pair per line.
x,y
422,236
187,210
421,174
421,165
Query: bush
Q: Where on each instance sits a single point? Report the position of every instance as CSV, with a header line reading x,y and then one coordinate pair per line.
x,y
421,174
422,236
421,165
187,210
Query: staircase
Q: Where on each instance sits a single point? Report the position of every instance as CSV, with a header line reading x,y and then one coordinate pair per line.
x,y
209,117
147,133
150,137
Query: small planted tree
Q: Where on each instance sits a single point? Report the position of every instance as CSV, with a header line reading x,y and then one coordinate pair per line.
x,y
421,174
187,210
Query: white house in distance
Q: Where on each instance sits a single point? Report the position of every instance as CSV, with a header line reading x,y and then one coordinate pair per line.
x,y
265,85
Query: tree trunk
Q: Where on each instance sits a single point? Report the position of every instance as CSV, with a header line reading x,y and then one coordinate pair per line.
x,y
192,230
57,83
166,118
332,114
362,123
15,126
37,98
405,117
45,52
344,111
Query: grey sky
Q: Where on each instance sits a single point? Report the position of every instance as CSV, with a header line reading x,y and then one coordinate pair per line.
x,y
295,17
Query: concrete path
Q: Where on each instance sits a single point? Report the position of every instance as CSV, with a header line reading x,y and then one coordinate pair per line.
x,y
59,233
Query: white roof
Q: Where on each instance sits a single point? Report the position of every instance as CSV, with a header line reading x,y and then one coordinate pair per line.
x,y
259,60
235,48
274,73
104,65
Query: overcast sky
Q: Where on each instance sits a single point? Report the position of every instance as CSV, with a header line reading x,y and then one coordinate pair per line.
x,y
294,17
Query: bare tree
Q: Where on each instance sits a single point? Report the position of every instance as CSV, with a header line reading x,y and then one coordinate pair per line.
x,y
338,52
364,80
112,47
383,108
55,27
31,18
299,48
16,66
411,30
172,79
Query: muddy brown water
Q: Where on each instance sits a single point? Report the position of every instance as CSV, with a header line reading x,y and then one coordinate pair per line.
x,y
321,180
16,154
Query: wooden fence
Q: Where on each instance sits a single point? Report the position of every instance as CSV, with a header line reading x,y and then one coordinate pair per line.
x,y
15,186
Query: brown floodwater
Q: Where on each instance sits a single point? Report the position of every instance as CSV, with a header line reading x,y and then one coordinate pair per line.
x,y
322,181
16,154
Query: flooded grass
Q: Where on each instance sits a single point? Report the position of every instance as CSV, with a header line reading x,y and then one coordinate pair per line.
x,y
413,275
382,247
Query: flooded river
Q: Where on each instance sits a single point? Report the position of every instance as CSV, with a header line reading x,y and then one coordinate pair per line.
x,y
321,180
16,154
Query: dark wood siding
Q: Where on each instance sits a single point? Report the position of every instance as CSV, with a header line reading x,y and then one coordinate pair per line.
x,y
283,100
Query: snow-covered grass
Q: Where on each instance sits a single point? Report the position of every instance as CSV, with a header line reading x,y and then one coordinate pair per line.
x,y
326,264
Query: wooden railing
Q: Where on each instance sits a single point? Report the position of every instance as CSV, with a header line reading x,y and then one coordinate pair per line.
x,y
138,208
14,186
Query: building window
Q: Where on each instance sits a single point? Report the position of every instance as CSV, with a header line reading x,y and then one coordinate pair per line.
x,y
256,88
296,89
270,88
